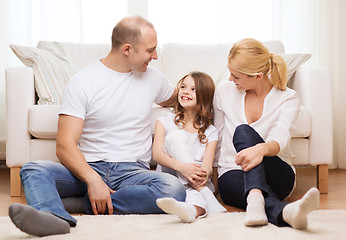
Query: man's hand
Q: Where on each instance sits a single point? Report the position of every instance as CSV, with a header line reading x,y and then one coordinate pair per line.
x,y
100,196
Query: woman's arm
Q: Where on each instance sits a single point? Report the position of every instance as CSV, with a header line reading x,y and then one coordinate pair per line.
x,y
251,157
191,171
219,122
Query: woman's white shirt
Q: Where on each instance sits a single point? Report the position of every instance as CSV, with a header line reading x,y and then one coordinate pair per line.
x,y
280,111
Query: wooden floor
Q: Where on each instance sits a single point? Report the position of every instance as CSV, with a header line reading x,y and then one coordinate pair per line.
x,y
306,178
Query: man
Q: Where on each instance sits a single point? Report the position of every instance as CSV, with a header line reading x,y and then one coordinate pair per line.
x,y
103,140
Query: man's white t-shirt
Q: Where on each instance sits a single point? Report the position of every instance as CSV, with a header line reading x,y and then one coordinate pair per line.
x,y
116,111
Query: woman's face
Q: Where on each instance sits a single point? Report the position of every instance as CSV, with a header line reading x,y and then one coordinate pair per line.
x,y
242,81
187,94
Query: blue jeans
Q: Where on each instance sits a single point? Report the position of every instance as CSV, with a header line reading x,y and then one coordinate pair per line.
x,y
274,177
137,188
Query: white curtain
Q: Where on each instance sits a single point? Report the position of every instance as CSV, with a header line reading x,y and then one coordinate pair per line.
x,y
210,21
318,27
314,26
26,22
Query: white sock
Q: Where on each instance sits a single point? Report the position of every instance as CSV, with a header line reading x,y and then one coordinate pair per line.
x,y
295,214
213,204
255,211
185,211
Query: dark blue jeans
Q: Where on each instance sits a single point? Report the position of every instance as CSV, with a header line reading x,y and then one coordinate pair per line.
x,y
274,177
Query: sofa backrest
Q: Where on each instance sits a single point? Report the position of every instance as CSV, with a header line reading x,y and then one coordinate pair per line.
x,y
174,59
179,59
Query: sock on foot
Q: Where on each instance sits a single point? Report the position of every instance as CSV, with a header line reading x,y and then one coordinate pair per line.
x,y
295,214
185,211
37,223
255,211
213,204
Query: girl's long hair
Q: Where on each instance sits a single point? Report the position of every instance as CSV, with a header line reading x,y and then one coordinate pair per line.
x,y
204,88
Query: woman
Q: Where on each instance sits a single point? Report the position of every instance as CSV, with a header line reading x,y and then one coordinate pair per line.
x,y
255,115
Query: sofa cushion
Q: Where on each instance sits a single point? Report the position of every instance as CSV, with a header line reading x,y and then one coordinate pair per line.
x,y
52,70
304,124
43,149
180,59
43,121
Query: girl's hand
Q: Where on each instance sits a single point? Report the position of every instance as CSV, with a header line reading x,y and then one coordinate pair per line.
x,y
192,172
250,157
201,184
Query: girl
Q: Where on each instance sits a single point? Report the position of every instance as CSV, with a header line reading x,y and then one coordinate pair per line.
x,y
257,112
184,145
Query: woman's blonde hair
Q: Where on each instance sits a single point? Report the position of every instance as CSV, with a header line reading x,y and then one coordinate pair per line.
x,y
204,88
250,56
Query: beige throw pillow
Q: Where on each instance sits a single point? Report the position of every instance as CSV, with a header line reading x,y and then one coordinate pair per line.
x,y
52,70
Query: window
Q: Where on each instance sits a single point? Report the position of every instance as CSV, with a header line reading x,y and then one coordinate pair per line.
x,y
208,21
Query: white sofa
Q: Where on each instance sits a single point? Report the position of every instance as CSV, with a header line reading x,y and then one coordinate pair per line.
x,y
31,128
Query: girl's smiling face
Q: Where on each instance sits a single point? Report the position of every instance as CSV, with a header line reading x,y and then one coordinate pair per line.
x,y
187,93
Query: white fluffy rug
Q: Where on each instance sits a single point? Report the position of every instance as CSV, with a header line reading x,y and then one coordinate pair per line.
x,y
323,224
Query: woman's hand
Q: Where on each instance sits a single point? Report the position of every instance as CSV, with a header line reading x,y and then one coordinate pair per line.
x,y
251,157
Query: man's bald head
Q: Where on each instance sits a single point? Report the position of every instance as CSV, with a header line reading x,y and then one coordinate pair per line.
x,y
128,30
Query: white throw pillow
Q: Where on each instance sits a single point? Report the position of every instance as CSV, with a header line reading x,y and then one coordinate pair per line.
x,y
293,62
52,70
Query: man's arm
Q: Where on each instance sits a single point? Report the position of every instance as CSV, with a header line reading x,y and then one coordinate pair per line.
x,y
171,100
69,132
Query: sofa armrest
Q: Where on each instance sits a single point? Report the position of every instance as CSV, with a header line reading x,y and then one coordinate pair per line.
x,y
20,96
314,86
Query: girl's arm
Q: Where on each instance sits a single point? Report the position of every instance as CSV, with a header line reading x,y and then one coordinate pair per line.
x,y
207,162
191,171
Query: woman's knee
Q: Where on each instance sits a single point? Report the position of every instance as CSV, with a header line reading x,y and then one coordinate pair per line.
x,y
245,136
